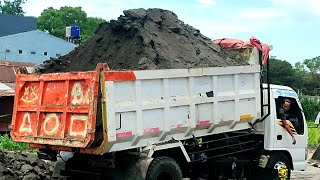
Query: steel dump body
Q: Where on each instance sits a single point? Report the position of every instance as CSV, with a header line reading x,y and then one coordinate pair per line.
x,y
138,107
56,109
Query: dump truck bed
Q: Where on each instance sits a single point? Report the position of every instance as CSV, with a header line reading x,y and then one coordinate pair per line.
x,y
137,107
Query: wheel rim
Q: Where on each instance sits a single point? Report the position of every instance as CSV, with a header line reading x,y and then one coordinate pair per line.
x,y
283,171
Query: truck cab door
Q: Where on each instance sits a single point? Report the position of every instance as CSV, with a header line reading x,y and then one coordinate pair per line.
x,y
283,140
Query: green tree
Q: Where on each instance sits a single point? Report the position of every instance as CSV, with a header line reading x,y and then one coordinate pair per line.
x,y
12,7
312,82
300,67
308,79
55,21
281,72
313,64
302,77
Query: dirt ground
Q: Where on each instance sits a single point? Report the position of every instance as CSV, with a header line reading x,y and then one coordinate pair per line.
x,y
312,173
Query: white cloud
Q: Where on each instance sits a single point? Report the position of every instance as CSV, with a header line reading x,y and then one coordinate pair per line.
x,y
260,14
106,9
206,2
281,13
299,10
286,2
315,6
232,21
221,30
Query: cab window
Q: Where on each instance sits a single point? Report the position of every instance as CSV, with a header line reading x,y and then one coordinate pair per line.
x,y
294,115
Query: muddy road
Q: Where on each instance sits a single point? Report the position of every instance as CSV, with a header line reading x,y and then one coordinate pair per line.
x,y
312,173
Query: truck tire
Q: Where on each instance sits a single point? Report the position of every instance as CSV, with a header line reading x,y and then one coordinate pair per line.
x,y
163,168
278,168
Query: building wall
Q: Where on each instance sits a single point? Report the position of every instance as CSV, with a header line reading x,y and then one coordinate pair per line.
x,y
33,46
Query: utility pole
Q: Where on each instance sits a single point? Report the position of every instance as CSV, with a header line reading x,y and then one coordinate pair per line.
x,y
5,52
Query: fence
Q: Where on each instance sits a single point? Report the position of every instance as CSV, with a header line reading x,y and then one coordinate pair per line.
x,y
310,98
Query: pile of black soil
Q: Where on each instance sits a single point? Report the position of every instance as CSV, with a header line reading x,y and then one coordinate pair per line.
x,y
25,166
143,39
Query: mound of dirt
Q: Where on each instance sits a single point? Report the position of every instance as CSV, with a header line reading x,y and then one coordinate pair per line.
x,y
316,154
24,165
143,39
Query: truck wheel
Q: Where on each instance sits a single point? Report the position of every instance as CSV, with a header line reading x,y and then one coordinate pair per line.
x,y
163,168
278,168
281,168
281,171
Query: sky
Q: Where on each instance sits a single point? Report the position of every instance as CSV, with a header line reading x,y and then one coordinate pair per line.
x,y
292,27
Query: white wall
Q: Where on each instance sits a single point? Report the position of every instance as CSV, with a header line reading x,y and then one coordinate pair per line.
x,y
33,45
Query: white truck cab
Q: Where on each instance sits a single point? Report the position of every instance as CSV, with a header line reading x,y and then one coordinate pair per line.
x,y
276,138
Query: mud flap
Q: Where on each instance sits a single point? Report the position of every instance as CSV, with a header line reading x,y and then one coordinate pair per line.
x,y
60,163
138,169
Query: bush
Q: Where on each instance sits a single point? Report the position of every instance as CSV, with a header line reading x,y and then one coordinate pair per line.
x,y
6,143
310,107
312,134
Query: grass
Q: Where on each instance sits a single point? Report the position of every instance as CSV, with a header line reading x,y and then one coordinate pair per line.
x,y
312,134
7,144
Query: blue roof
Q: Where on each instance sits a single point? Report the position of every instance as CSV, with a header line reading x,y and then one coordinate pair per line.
x,y
16,24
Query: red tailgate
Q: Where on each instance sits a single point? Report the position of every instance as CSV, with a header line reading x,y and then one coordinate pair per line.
x,y
56,109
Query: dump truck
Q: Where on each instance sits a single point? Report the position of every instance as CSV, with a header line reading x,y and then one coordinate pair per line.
x,y
213,123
